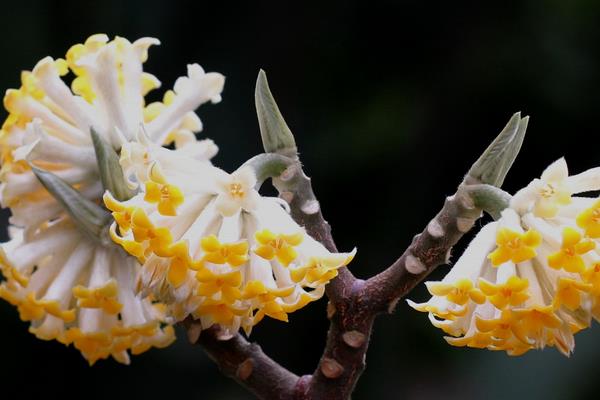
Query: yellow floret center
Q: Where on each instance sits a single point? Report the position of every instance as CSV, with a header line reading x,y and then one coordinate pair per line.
x,y
514,246
279,246
572,248
236,190
589,221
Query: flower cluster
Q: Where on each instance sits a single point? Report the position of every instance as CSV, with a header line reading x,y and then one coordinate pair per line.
x,y
69,286
530,279
213,248
190,239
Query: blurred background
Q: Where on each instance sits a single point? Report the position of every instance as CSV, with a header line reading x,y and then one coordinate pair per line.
x,y
390,102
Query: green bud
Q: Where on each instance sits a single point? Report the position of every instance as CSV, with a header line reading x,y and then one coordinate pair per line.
x,y
276,135
493,165
111,173
88,216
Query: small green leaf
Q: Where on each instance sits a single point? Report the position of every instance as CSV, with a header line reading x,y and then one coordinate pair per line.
x,y
276,135
111,173
493,165
88,216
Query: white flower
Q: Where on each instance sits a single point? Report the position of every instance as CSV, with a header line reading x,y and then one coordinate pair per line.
x,y
137,156
531,279
212,247
80,293
554,189
236,192
69,288
49,125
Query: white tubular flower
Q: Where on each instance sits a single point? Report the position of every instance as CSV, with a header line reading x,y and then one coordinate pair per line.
x,y
530,279
69,288
213,248
80,293
137,157
545,196
49,123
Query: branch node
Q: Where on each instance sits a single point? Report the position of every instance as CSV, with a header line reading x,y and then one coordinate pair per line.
x,y
287,196
289,173
354,339
464,224
414,265
331,368
435,229
245,369
310,207
466,201
302,386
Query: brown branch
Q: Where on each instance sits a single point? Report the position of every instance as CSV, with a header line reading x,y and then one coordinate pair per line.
x,y
343,359
428,250
355,303
246,363
296,188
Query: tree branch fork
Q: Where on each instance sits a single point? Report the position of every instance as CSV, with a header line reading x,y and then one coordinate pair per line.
x,y
353,306
355,303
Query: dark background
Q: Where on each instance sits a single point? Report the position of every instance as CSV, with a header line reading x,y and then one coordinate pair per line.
x,y
390,102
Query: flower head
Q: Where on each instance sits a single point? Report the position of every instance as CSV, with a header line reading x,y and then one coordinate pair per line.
x,y
49,123
528,280
69,287
80,293
225,255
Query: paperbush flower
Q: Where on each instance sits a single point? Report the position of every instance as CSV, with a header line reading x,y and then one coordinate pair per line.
x,y
530,279
79,293
49,124
70,287
213,248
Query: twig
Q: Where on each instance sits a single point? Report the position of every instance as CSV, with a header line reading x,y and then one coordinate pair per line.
x,y
245,363
428,250
355,303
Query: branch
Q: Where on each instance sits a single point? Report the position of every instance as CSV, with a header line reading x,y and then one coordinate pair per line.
x,y
296,189
428,250
246,363
431,248
343,359
354,303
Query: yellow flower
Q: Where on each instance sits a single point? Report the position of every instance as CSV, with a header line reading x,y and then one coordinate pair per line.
x,y
234,254
515,247
236,242
168,197
227,284
569,256
68,289
104,297
71,288
513,292
267,300
518,287
570,291
589,221
280,246
459,292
